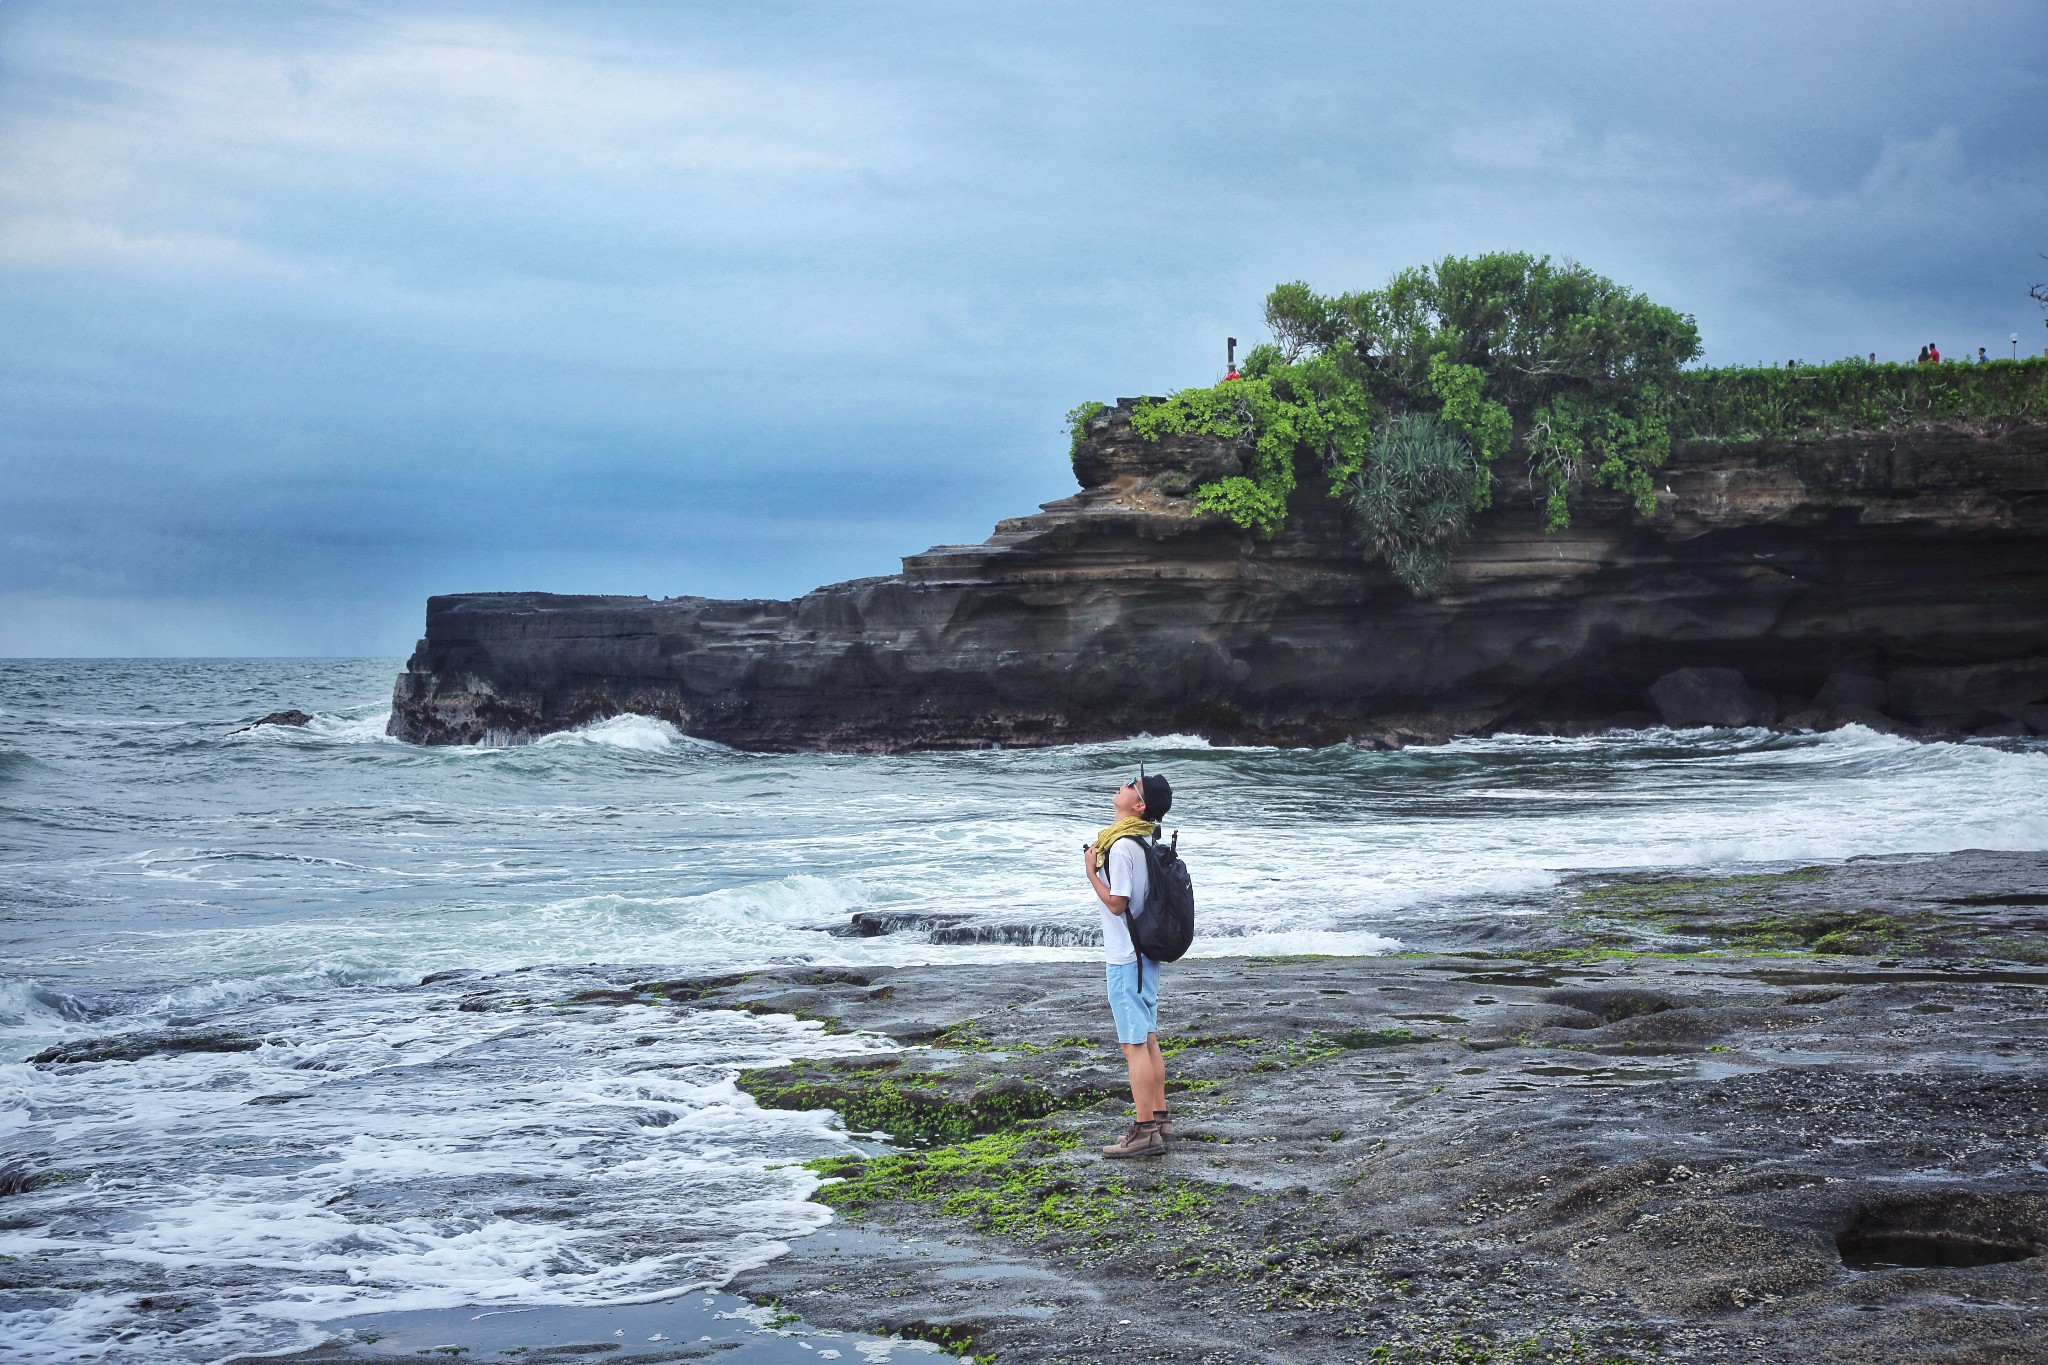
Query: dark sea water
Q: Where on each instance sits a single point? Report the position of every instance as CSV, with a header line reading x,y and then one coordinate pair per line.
x,y
384,1151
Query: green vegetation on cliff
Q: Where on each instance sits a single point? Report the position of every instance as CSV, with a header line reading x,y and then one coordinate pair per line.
x,y
1288,414
1507,351
1514,352
1816,400
1511,353
1413,500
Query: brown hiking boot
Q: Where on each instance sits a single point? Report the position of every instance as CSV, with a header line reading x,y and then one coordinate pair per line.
x,y
1165,1122
1142,1139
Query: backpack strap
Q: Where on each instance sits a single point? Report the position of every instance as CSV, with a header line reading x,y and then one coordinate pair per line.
x,y
1136,952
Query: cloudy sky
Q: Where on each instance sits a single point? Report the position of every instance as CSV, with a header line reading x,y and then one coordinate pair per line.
x,y
308,310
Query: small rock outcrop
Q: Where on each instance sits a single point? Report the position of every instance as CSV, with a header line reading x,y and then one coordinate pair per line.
x,y
131,1047
1898,580
294,718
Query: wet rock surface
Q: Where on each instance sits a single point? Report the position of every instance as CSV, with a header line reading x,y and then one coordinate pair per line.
x,y
293,719
1643,1117
1549,1151
131,1047
1952,905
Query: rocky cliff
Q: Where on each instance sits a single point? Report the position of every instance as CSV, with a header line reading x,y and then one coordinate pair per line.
x,y
1900,580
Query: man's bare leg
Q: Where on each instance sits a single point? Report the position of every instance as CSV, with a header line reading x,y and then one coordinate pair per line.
x,y
1138,1062
1156,1064
1148,1076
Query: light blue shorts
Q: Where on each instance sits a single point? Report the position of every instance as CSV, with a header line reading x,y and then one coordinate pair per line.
x,y
1136,1011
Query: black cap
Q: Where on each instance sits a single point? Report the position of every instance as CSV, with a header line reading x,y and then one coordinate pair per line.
x,y
1158,797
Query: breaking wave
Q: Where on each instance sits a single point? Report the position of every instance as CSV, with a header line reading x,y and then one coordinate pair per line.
x,y
645,734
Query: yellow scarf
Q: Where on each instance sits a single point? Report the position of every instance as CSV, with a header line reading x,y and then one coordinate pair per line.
x,y
1129,824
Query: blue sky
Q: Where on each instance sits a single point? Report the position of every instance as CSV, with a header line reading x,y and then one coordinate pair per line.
x,y
311,309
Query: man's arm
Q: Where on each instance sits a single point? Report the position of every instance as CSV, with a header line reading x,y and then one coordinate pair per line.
x,y
1116,905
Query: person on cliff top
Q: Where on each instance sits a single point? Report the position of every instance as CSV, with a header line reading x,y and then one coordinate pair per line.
x,y
1923,357
1933,354
1233,373
1133,982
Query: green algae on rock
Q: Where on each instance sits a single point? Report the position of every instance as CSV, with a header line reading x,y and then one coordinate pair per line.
x,y
914,1106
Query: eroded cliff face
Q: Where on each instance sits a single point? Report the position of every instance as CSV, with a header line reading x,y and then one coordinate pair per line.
x,y
1915,566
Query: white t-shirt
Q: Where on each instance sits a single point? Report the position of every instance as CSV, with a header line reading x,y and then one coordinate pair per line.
x,y
1128,876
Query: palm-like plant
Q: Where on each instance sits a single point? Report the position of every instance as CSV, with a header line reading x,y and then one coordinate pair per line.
x,y
1412,501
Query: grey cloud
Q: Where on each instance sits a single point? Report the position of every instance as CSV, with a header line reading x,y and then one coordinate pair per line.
x,y
346,304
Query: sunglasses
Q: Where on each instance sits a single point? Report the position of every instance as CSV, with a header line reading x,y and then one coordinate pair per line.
x,y
1139,780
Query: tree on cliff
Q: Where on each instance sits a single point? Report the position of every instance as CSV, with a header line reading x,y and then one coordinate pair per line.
x,y
1517,353
1508,352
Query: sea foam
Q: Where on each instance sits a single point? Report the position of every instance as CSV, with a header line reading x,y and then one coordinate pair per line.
x,y
646,734
353,1163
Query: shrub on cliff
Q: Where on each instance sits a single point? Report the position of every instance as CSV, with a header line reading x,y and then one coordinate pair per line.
x,y
1509,351
1286,414
1770,403
1412,502
1078,420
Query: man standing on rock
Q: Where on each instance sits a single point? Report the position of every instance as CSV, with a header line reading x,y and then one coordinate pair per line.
x,y
1133,979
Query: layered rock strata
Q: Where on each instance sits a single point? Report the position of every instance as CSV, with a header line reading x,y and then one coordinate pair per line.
x,y
1898,579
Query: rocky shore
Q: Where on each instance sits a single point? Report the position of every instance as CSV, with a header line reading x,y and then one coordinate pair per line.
x,y
1897,580
1798,1113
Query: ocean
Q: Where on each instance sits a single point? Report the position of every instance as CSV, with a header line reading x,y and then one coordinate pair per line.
x,y
386,1156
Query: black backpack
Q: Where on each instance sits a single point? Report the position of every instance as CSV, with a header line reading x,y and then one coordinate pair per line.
x,y
1164,926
